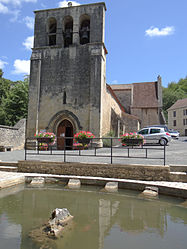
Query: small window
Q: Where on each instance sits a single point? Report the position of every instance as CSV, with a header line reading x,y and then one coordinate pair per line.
x,y
153,131
143,132
174,122
174,114
184,112
64,98
184,122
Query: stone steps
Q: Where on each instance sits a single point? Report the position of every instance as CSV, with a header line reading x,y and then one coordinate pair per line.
x,y
9,166
179,168
178,173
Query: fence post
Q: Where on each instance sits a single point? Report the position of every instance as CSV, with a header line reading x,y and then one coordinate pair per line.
x,y
164,155
111,150
26,149
64,149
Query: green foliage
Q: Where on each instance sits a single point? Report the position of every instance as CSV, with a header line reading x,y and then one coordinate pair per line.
x,y
173,92
13,101
107,142
1,73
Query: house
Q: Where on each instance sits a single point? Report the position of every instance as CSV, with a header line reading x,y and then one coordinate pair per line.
x,y
143,100
177,116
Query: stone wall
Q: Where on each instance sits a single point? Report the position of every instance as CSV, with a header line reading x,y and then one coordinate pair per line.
x,y
13,137
109,105
136,172
148,116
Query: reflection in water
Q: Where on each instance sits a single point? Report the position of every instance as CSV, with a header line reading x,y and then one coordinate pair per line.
x,y
112,220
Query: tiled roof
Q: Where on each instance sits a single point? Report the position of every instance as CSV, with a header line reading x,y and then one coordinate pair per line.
x,y
130,116
179,104
145,95
115,97
117,87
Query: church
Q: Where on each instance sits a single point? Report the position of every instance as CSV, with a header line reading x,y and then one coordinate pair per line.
x,y
68,90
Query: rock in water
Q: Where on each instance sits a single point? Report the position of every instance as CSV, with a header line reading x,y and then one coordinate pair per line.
x,y
150,191
57,225
59,219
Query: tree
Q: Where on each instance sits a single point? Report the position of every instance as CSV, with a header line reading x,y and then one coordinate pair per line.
x,y
1,73
13,101
16,102
173,92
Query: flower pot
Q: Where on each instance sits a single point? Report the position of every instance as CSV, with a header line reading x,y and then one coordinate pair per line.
x,y
46,140
132,141
84,140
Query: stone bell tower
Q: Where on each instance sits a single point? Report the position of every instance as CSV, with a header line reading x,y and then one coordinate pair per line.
x,y
67,70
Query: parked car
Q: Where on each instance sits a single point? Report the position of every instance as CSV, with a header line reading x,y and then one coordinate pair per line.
x,y
155,134
174,134
162,126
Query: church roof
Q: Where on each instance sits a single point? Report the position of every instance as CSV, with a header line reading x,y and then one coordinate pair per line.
x,y
180,103
115,97
145,95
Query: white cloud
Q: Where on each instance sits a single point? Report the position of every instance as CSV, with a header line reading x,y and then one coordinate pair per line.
x,y
21,67
2,63
17,2
3,9
153,31
29,21
65,3
28,43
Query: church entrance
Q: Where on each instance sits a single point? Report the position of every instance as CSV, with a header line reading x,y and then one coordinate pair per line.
x,y
65,129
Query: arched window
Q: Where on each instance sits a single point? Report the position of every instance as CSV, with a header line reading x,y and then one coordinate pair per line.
x,y
52,26
68,31
84,29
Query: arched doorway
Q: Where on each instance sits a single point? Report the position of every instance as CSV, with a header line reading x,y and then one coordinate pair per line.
x,y
65,129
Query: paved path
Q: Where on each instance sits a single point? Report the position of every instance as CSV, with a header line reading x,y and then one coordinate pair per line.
x,y
176,154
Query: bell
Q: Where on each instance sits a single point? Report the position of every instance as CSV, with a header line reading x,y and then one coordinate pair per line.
x,y
84,36
68,36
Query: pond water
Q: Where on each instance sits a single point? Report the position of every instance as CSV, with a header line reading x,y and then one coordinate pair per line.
x,y
102,220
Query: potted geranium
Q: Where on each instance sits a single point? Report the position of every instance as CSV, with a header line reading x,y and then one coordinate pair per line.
x,y
45,139
132,139
83,137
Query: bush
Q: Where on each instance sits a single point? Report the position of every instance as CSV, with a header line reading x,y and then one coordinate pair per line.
x,y
107,142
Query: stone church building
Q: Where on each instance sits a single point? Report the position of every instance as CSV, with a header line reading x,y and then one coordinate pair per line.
x,y
68,90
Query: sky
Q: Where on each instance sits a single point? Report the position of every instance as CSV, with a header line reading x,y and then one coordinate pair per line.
x,y
144,38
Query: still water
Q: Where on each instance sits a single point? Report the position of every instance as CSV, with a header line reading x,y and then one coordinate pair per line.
x,y
120,220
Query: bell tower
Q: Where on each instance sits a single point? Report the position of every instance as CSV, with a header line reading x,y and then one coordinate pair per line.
x,y
67,73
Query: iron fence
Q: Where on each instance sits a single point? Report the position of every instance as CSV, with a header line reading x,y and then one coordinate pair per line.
x,y
107,147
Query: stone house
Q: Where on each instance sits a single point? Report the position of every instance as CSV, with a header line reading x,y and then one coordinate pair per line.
x,y
143,100
177,116
68,90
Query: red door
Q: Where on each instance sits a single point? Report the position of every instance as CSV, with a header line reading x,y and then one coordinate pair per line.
x,y
65,129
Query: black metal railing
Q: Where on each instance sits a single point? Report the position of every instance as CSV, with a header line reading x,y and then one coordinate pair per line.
x,y
107,147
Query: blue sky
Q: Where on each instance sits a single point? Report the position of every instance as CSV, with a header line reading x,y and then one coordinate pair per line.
x,y
144,38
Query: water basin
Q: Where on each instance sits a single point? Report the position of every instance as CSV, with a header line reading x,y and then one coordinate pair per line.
x,y
122,220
